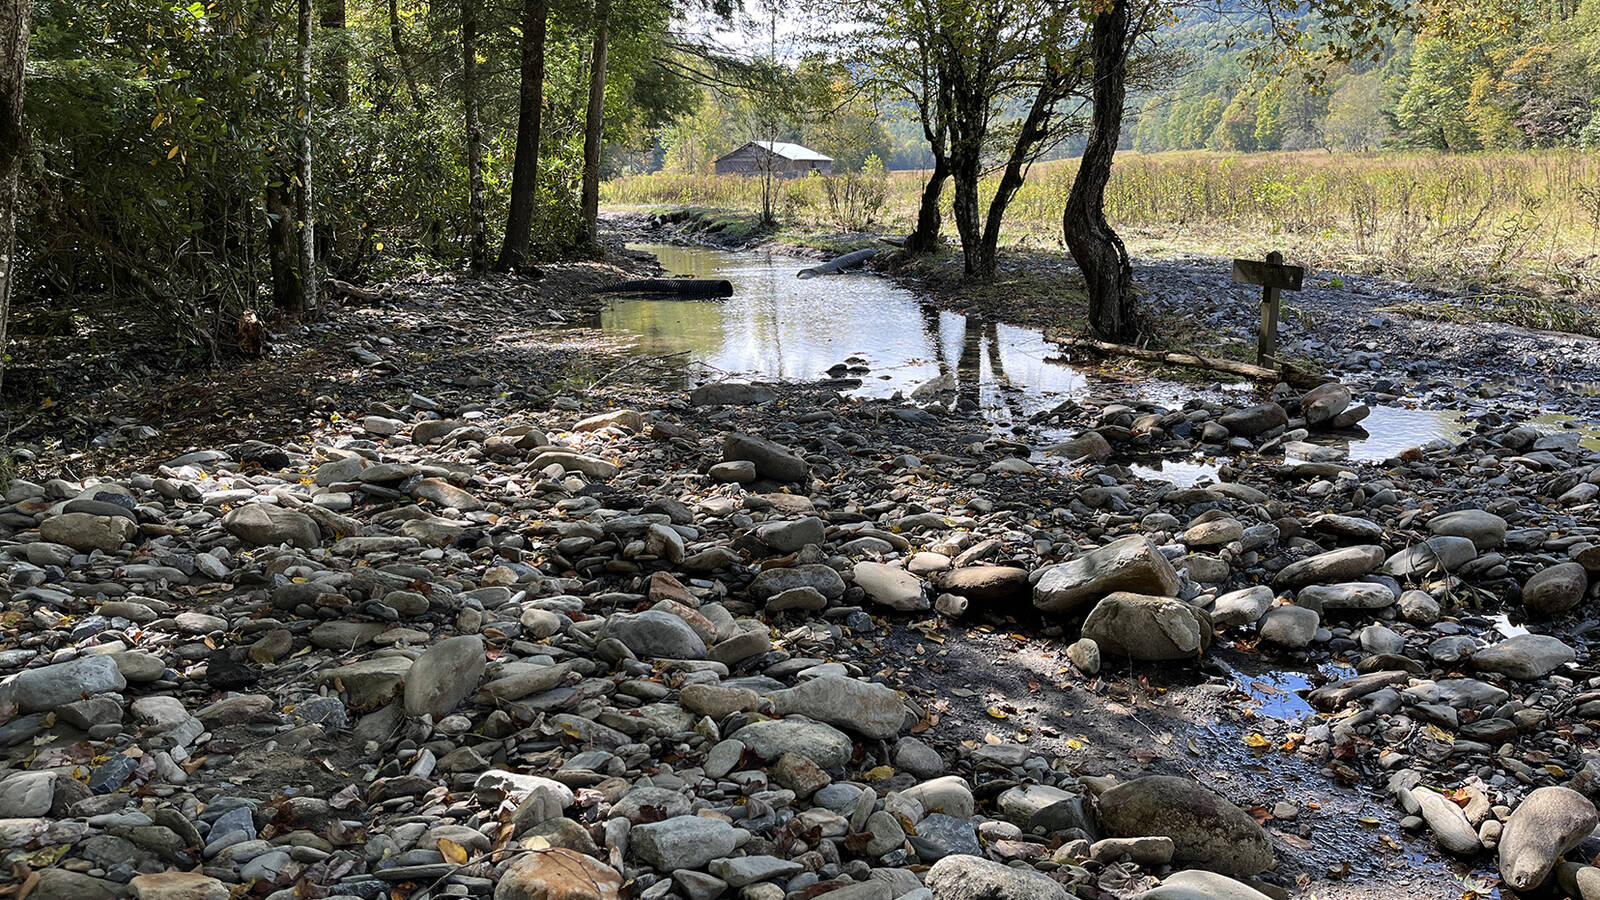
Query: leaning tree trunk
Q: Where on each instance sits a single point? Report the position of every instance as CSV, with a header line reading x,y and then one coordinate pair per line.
x,y
308,235
1101,256
15,20
925,237
594,123
1035,128
402,58
338,57
525,162
478,254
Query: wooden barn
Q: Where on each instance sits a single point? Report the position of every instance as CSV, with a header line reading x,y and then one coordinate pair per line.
x,y
784,160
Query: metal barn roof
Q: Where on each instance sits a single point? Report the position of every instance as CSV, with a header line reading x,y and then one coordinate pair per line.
x,y
787,151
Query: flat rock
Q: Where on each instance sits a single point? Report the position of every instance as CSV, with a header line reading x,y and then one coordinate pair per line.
x,y
1148,628
870,710
1130,564
1205,829
890,586
444,675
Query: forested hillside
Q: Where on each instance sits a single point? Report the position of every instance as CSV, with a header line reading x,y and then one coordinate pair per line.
x,y
1478,76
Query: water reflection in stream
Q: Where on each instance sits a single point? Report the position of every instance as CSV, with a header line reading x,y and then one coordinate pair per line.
x,y
777,326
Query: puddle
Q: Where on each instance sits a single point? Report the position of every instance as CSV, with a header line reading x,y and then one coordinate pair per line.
x,y
1181,473
777,326
1280,693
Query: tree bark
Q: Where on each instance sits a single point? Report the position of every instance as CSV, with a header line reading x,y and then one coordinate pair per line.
x,y
1035,128
925,237
308,236
1100,254
525,163
594,123
15,22
281,252
478,253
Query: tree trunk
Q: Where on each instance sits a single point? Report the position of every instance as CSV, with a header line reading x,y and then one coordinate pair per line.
x,y
594,123
478,253
15,21
281,253
1035,128
308,235
1101,256
525,163
925,238
966,168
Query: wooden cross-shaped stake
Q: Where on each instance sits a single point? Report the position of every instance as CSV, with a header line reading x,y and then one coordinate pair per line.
x,y
1273,276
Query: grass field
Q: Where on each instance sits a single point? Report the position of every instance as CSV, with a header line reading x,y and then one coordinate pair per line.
x,y
1481,222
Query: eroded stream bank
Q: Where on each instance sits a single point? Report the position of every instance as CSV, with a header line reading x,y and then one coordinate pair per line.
x,y
771,641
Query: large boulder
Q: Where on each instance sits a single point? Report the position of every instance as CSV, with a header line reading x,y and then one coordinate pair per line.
x,y
1206,830
1550,823
1148,628
86,531
962,877
870,710
444,675
1128,564
267,525
771,460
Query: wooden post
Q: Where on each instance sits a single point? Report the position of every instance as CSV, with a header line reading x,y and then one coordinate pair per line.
x,y
1274,277
1267,344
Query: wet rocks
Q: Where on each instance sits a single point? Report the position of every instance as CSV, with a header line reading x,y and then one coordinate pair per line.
x,y
1548,824
1205,829
1148,628
1254,421
1130,564
1293,627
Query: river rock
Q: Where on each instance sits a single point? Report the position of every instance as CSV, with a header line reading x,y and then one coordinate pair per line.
x,y
1348,595
1255,420
1289,626
1131,564
823,579
791,536
1556,589
890,586
771,460
1089,445
655,634
178,886
1241,607
1148,628
85,531
1526,657
870,710
731,393
266,525
558,874
444,675
1196,884
985,583
683,842
1344,564
1485,529
1205,829
1447,822
964,877
47,687
1320,405
1548,824
823,744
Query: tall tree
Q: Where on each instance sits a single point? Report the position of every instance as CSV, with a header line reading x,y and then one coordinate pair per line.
x,y
305,211
15,22
338,52
1099,252
525,163
594,124
477,213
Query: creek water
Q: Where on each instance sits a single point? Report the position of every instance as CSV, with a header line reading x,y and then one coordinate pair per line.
x,y
778,326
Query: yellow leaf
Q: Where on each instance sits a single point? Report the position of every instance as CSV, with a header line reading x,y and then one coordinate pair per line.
x,y
996,713
173,152
453,852
156,123
1256,742
535,843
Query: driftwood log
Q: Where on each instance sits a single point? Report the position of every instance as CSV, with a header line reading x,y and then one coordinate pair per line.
x,y
353,294
838,264
1295,376
683,287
